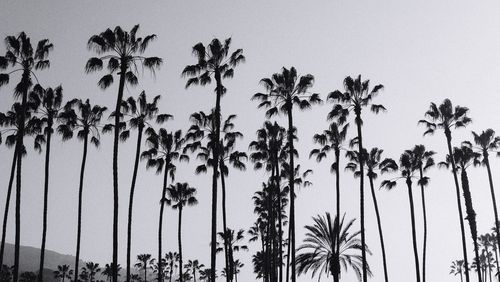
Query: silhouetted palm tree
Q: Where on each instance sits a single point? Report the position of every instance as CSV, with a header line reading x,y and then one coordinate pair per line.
x,y
164,149
22,57
180,195
144,261
374,163
123,52
232,239
214,61
332,139
457,268
28,276
92,270
85,121
194,266
284,91
48,104
445,117
356,96
317,254
63,272
139,112
171,259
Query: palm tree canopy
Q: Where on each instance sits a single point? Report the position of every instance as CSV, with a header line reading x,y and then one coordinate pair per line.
x,y
445,117
180,195
372,160
331,139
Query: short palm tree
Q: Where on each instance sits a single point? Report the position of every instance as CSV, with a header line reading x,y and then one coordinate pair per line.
x,y
285,90
63,272
356,96
164,150
458,268
22,57
446,117
179,196
194,267
144,261
317,254
92,270
213,61
171,258
233,241
84,119
124,53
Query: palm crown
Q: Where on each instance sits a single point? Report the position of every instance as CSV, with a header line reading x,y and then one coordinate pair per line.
x,y
48,103
486,141
373,161
445,117
331,139
10,122
181,195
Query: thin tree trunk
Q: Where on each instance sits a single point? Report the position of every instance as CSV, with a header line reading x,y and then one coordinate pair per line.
x,y
496,262
288,258
80,197
362,195
160,221
292,191
424,252
459,205
224,220
413,229
146,271
179,238
131,199
379,224
493,198
336,275
280,229
7,204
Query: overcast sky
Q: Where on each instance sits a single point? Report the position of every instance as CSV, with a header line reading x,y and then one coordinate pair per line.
x,y
422,51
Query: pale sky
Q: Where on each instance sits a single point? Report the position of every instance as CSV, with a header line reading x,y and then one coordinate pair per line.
x,y
422,51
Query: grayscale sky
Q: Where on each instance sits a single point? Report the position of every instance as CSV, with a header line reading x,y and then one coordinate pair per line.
x,y
422,51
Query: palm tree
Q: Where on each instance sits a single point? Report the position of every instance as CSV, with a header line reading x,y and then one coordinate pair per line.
x,y
48,103
465,157
446,117
123,52
317,254
424,162
232,239
22,57
284,91
85,121
374,163
28,276
63,272
171,259
457,268
144,261
164,150
194,266
179,196
92,269
332,139
213,61
408,167
140,112
356,96
487,142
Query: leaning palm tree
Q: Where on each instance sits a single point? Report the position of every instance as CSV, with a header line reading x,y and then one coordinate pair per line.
x,y
48,103
123,51
140,113
487,142
214,61
374,163
22,57
317,254
84,119
63,272
180,195
284,91
356,96
408,167
445,117
457,268
164,150
144,261
194,266
332,139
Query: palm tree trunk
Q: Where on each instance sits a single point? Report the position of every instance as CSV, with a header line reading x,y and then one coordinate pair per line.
x,y
45,198
224,219
459,205
362,194
280,229
292,191
424,252
131,199
336,274
493,198
179,238
288,258
496,262
413,229
80,197
160,221
379,224
7,204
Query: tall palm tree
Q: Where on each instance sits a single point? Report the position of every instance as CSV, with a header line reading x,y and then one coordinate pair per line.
x,y
140,113
194,266
332,139
424,162
63,272
144,261
84,119
284,91
356,96
48,103
465,157
374,163
180,195
487,142
22,57
446,117
457,268
124,53
408,167
317,254
164,150
213,61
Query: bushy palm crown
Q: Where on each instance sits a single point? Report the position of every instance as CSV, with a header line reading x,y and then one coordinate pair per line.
x,y
408,165
10,122
424,160
233,238
123,52
373,161
144,261
317,254
445,117
194,266
464,157
63,272
486,141
180,195
268,149
457,267
331,139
